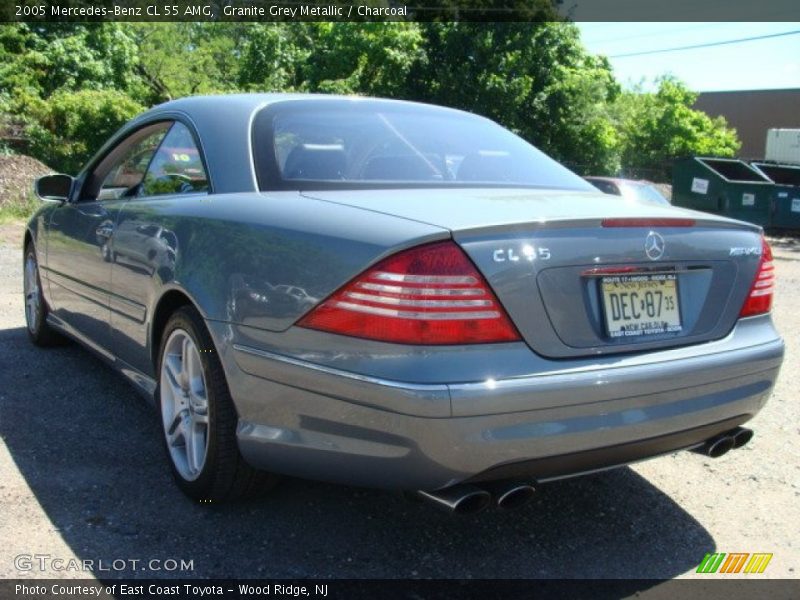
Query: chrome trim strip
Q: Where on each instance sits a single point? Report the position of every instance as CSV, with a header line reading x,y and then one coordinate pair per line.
x,y
119,305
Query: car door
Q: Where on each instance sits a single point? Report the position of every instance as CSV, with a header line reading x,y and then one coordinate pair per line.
x,y
146,246
79,248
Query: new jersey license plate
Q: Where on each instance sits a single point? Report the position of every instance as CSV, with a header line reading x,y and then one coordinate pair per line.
x,y
641,305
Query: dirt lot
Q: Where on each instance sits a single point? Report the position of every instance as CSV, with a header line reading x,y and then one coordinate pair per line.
x,y
82,476
17,173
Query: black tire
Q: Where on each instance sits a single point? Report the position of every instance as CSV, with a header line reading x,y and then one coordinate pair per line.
x,y
225,476
39,331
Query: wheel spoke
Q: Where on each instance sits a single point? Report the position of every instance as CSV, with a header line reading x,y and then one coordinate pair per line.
x,y
173,369
188,360
197,392
194,370
186,348
191,447
199,442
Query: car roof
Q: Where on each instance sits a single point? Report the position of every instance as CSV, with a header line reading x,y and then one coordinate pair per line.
x,y
249,103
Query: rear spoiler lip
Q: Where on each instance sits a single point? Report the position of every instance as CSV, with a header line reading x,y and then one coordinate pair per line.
x,y
701,222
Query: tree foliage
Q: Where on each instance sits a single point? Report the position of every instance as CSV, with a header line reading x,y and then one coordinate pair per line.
x,y
534,78
661,126
184,59
41,59
71,126
360,58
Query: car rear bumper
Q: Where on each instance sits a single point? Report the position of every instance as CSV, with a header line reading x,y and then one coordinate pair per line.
x,y
310,420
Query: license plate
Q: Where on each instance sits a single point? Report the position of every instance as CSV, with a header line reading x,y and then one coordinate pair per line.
x,y
641,305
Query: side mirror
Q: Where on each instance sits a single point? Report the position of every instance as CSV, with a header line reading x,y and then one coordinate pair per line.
x,y
54,187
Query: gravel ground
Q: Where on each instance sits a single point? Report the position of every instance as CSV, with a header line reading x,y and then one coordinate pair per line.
x,y
82,476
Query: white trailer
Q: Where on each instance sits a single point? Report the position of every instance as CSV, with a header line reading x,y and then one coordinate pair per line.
x,y
783,146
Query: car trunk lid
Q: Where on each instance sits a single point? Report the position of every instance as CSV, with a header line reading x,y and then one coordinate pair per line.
x,y
578,273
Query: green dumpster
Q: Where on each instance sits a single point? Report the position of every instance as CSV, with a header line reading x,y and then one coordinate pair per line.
x,y
724,186
785,195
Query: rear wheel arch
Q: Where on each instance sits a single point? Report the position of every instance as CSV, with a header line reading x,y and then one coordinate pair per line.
x,y
28,241
185,401
170,301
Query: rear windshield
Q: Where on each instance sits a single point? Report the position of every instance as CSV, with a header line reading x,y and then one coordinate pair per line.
x,y
644,192
357,144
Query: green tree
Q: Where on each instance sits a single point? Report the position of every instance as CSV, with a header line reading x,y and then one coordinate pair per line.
x,y
362,58
534,78
657,127
184,59
272,55
40,59
70,127
346,58
66,87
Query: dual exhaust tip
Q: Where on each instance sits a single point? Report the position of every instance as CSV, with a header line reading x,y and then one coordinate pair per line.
x,y
465,499
725,442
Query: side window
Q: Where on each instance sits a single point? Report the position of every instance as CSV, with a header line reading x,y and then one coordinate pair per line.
x,y
176,167
127,170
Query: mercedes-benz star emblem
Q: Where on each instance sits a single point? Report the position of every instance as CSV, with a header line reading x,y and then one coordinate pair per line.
x,y
654,246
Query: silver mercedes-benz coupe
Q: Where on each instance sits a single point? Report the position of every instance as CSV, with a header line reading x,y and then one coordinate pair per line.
x,y
395,295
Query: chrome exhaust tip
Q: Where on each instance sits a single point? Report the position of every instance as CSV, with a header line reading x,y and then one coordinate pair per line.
x,y
741,435
462,499
716,446
510,494
725,442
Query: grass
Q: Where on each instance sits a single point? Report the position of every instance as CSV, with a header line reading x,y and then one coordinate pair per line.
x,y
18,208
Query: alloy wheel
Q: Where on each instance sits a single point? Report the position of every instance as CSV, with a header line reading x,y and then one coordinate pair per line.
x,y
33,298
184,405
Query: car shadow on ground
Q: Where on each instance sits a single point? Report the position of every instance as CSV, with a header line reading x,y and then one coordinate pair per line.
x,y
89,449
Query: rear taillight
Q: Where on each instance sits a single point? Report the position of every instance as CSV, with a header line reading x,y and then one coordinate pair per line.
x,y
759,300
430,294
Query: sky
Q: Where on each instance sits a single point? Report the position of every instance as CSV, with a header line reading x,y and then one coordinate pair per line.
x,y
753,65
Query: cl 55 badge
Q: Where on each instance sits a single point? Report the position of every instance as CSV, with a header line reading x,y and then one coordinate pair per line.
x,y
527,252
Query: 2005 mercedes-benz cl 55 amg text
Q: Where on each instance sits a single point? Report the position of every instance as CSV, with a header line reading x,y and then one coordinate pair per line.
x,y
395,295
